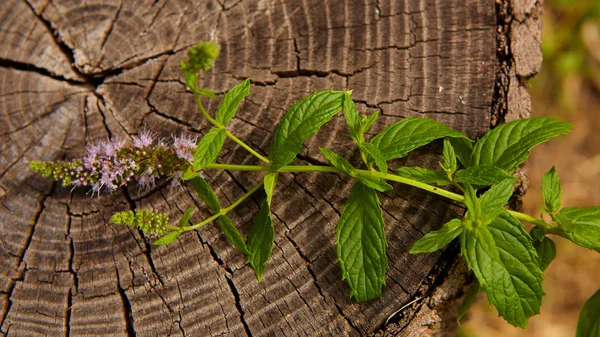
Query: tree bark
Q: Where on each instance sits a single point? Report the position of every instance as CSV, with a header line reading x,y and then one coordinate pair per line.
x,y
75,71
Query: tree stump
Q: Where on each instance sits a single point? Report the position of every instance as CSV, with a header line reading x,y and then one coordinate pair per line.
x,y
75,71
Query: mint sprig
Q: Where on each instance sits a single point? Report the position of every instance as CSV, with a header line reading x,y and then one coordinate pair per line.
x,y
506,260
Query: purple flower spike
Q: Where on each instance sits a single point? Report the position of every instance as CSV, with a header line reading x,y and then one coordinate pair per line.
x,y
146,138
184,145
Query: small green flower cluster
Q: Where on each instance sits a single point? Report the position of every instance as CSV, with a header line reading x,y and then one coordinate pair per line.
x,y
146,221
67,172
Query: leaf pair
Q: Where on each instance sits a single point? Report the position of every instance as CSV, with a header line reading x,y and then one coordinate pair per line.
x,y
581,225
209,147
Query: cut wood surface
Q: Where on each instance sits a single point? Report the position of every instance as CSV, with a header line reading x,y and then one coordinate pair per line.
x,y
75,71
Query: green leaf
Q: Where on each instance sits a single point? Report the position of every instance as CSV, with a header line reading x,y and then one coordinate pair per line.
x,y
352,119
507,269
494,200
468,301
206,193
209,148
373,182
366,122
581,225
449,164
537,233
361,245
339,162
551,191
260,241
189,174
374,153
463,147
232,234
423,175
206,93
398,139
303,119
588,324
436,240
231,101
186,216
546,251
472,202
481,176
509,144
167,238
270,180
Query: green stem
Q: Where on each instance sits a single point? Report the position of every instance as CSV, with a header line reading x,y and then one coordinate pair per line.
x,y
387,176
229,134
225,210
248,148
205,113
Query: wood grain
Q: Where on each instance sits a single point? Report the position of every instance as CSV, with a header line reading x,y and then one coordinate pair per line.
x,y
74,71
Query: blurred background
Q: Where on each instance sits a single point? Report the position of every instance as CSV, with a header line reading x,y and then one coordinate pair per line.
x,y
568,88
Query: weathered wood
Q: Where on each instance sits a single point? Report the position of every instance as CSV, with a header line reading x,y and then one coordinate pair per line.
x,y
75,71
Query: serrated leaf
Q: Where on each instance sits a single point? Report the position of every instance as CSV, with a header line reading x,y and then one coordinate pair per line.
x,y
270,180
509,144
546,251
423,175
481,176
352,119
581,225
436,240
209,148
468,301
361,244
260,241
206,193
472,202
398,139
449,164
303,119
341,163
366,122
186,216
373,152
338,161
232,234
494,200
206,93
551,191
167,238
373,182
509,274
588,324
231,101
463,148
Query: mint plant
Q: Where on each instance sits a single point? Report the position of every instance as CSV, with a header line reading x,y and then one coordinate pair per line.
x,y
507,261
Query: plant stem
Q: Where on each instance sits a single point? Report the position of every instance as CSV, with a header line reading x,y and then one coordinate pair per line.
x,y
225,210
387,176
229,134
248,148
205,113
